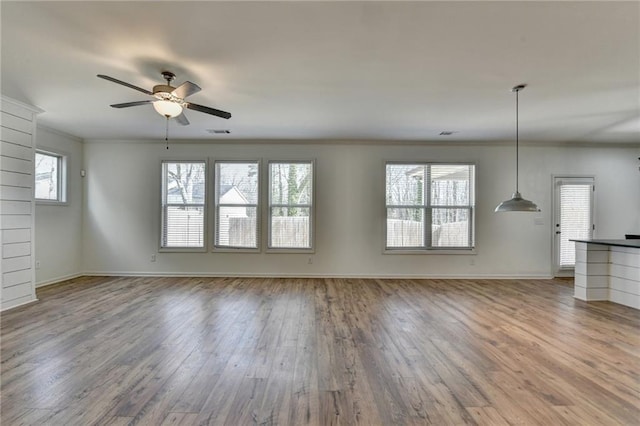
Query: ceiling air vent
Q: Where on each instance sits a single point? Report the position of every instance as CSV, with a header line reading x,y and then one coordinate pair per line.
x,y
447,132
219,131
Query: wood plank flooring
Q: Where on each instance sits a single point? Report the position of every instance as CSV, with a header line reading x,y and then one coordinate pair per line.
x,y
245,351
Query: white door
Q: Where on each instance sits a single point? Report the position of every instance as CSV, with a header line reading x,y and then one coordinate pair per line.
x,y
573,219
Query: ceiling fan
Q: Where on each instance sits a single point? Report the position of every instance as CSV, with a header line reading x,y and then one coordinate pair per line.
x,y
169,101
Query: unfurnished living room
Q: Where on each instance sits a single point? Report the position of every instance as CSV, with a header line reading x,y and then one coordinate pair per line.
x,y
320,213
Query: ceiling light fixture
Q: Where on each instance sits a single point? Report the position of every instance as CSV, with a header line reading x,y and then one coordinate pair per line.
x,y
168,109
517,203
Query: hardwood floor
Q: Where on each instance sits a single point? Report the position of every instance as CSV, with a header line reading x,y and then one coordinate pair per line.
x,y
243,351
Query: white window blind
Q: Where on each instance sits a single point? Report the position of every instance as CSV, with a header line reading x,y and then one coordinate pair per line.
x,y
236,200
429,206
575,219
291,205
49,170
183,204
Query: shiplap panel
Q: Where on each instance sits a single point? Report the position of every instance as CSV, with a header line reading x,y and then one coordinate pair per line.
x,y
17,291
10,236
14,193
15,137
16,263
17,151
16,179
624,298
625,285
16,250
15,221
626,272
14,122
17,128
17,110
15,207
9,279
625,257
10,164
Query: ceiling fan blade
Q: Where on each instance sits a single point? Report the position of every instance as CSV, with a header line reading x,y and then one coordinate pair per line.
x,y
115,80
182,119
207,110
130,104
186,89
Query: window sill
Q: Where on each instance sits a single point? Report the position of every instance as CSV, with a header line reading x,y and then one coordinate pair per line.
x,y
451,251
182,250
235,250
291,250
51,203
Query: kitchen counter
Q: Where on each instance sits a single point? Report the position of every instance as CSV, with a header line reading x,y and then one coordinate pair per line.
x,y
608,270
617,243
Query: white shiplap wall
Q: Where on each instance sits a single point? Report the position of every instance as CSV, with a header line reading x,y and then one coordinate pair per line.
x,y
17,205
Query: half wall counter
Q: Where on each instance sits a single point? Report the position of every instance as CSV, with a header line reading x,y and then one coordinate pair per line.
x,y
608,270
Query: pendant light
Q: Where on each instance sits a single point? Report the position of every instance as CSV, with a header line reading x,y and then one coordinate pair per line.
x,y
517,203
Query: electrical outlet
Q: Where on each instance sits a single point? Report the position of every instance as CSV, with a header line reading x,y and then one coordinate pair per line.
x,y
310,261
153,257
37,264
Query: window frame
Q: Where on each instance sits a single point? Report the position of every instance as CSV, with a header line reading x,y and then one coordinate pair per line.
x,y
163,205
311,207
215,207
61,181
426,207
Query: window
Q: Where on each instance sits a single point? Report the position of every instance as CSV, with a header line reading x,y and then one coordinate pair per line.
x,y
50,173
290,205
429,206
183,199
236,201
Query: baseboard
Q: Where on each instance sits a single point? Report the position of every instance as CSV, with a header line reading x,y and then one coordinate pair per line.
x,y
25,302
281,275
59,279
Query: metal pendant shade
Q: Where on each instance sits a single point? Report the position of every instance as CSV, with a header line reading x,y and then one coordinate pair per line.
x,y
516,203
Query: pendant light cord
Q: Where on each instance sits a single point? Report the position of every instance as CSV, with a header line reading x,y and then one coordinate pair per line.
x,y
166,132
517,139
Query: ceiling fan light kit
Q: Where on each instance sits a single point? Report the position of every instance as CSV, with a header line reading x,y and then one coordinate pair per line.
x,y
167,109
169,100
516,203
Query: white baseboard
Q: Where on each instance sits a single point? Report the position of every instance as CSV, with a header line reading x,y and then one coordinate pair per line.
x,y
19,303
281,275
58,279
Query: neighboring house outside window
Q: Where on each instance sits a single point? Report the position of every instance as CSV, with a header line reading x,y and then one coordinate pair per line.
x,y
50,177
429,206
237,214
183,205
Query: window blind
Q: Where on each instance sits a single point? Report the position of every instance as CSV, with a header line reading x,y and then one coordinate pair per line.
x,y
183,204
290,205
236,199
575,219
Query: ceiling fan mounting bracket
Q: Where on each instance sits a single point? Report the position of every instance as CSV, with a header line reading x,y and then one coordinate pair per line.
x,y
169,76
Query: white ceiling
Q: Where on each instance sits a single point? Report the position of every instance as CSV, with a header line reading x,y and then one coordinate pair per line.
x,y
333,70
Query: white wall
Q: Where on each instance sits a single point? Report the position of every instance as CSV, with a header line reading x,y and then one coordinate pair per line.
x,y
58,229
122,215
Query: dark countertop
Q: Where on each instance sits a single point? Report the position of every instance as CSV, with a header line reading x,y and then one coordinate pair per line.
x,y
618,243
